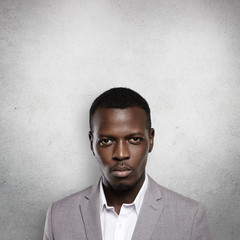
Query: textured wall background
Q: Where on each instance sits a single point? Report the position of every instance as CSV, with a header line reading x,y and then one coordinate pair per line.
x,y
58,55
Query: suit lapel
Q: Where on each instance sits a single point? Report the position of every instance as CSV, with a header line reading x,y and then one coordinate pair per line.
x,y
150,212
89,208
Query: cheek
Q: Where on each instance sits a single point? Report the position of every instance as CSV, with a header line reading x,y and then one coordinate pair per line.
x,y
139,152
139,157
103,155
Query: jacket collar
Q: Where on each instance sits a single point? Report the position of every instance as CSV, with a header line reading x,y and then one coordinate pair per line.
x,y
150,212
89,208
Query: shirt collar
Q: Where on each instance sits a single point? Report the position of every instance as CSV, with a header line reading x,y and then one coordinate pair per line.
x,y
137,202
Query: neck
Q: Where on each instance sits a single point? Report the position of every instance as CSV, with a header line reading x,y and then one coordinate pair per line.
x,y
117,198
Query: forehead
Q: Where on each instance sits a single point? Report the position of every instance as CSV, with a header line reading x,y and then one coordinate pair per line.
x,y
119,120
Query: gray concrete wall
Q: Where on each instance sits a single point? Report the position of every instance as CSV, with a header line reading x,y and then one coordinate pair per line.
x,y
58,55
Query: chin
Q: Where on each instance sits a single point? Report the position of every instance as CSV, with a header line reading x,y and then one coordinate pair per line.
x,y
121,187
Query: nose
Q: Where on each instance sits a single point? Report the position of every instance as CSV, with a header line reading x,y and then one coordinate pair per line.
x,y
121,151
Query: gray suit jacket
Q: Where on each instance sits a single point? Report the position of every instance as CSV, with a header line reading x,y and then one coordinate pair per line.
x,y
164,215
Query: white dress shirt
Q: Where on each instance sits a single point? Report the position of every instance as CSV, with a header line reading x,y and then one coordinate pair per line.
x,y
120,227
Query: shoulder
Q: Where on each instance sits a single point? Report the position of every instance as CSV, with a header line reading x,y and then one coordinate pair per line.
x,y
176,206
173,199
74,199
63,218
186,216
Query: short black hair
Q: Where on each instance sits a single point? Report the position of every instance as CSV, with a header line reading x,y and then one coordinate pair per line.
x,y
120,98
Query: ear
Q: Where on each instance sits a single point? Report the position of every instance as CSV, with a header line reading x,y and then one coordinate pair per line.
x,y
90,136
151,136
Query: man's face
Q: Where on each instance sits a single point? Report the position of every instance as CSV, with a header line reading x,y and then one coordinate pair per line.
x,y
121,142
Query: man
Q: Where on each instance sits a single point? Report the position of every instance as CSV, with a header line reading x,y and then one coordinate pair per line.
x,y
126,204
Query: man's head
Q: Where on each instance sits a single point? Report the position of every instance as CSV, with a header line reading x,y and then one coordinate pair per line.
x,y
120,98
121,137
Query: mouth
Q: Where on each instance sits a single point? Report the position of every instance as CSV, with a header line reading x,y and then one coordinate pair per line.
x,y
121,171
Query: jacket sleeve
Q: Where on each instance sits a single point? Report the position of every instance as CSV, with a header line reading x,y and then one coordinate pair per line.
x,y
200,229
48,225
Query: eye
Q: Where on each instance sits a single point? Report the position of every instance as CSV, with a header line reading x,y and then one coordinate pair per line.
x,y
105,142
135,140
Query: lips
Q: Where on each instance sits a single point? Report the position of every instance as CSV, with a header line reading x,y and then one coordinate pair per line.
x,y
121,171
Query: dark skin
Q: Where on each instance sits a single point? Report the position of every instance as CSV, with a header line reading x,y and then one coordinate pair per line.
x,y
121,142
116,198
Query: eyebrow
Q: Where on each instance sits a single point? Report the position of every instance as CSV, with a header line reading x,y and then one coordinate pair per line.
x,y
136,133
129,135
105,135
